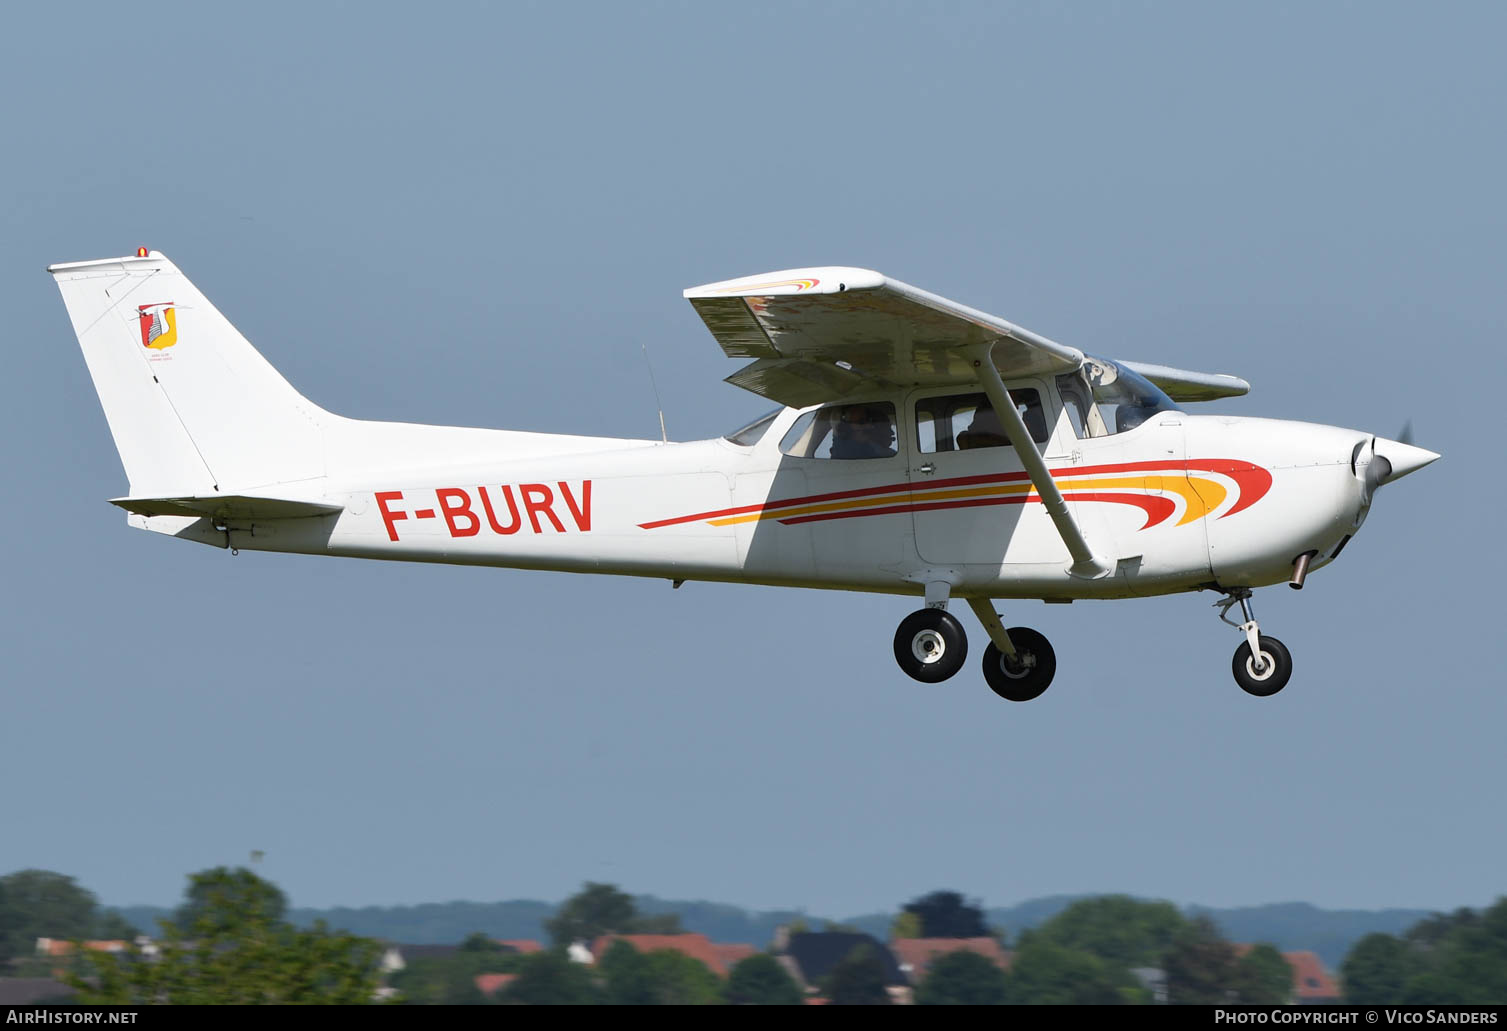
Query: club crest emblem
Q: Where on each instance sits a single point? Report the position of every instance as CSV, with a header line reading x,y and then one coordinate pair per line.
x,y
159,325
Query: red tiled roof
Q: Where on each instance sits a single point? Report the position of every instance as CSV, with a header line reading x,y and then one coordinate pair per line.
x,y
62,947
698,946
1310,981
491,984
521,944
917,954
732,955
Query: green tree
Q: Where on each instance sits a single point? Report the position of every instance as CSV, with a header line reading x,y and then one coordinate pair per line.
x,y
114,927
963,978
235,952
599,909
552,979
42,904
1122,931
662,977
945,914
1262,977
1467,964
226,894
905,925
1044,974
760,981
1200,966
857,980
680,980
625,976
1377,970
1449,958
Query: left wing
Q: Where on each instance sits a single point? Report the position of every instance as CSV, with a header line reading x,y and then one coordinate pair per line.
x,y
818,334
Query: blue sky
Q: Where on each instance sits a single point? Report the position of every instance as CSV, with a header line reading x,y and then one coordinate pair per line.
x,y
479,213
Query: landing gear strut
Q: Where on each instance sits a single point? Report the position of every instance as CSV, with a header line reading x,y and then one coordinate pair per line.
x,y
930,646
1262,665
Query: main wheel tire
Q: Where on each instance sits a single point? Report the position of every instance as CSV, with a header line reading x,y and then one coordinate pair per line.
x,y
1038,665
930,645
1271,676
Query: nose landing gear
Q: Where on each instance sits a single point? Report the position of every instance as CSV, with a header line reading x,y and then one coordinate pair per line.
x,y
1262,665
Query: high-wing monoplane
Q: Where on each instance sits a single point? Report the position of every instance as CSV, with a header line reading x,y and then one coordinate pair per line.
x,y
921,448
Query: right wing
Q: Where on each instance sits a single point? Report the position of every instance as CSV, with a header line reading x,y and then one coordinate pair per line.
x,y
818,334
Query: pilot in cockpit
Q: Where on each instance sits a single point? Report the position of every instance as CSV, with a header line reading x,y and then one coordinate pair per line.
x,y
864,431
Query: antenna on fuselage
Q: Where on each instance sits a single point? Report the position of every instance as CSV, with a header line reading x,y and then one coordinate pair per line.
x,y
659,405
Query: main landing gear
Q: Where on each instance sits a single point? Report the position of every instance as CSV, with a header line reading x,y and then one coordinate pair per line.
x,y
930,646
1262,665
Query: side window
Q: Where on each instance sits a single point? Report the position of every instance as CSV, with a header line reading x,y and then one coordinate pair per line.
x,y
843,432
1077,401
962,422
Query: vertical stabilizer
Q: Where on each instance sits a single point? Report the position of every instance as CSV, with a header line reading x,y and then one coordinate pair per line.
x,y
193,408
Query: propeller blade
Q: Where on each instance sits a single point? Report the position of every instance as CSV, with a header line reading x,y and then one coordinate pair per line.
x,y
1406,436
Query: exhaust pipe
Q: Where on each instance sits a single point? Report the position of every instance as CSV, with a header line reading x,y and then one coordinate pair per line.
x,y
1300,570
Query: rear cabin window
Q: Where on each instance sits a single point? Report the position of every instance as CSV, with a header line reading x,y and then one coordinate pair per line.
x,y
963,422
843,432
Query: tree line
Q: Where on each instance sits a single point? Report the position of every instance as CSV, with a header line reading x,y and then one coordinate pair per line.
x,y
230,941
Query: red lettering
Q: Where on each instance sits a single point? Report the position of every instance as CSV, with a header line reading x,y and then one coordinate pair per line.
x,y
582,513
486,504
390,517
454,512
546,497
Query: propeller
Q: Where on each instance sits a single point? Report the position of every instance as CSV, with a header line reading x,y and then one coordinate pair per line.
x,y
1394,459
1378,471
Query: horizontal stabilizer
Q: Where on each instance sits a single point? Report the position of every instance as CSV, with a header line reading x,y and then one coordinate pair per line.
x,y
227,506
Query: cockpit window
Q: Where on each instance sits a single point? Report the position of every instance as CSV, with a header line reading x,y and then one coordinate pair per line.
x,y
961,422
754,432
1125,399
843,432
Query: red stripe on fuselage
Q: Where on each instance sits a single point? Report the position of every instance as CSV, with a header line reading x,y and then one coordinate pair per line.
x,y
1253,481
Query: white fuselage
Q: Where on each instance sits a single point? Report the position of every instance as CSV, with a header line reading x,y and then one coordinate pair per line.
x,y
1178,503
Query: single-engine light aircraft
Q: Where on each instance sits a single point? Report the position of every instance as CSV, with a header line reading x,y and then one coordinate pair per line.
x,y
922,448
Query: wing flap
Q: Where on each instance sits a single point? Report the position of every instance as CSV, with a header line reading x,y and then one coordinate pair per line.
x,y
227,506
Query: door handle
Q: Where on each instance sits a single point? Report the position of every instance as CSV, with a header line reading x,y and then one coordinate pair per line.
x,y
927,468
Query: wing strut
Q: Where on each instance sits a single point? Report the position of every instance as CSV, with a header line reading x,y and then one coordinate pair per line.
x,y
1086,565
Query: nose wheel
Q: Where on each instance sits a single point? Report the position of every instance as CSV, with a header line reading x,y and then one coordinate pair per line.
x,y
930,645
1262,665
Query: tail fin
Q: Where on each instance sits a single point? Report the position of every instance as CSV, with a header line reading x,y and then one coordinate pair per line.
x,y
194,409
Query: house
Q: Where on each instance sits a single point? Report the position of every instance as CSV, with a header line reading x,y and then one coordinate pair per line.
x,y
719,959
915,955
490,984
1312,985
809,956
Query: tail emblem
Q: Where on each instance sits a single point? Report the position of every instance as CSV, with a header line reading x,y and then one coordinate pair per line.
x,y
159,325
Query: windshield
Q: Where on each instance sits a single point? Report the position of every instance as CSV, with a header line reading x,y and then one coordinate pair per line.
x,y
749,435
1125,399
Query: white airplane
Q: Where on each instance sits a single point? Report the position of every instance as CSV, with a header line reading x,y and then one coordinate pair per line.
x,y
923,448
